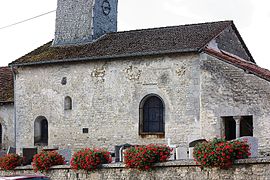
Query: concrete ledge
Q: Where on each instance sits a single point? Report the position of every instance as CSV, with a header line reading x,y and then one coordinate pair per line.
x,y
261,160
248,169
184,162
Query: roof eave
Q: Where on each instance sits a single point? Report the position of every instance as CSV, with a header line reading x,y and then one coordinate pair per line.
x,y
238,66
197,50
6,102
243,43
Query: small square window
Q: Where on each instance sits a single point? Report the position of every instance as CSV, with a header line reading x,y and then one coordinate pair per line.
x,y
64,81
85,130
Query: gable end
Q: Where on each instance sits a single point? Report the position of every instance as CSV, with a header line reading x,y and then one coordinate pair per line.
x,y
230,41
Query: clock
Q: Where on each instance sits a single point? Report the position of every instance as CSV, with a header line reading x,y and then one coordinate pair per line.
x,y
106,7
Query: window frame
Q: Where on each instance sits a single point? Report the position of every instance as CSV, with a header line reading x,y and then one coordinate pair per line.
x,y
141,115
68,103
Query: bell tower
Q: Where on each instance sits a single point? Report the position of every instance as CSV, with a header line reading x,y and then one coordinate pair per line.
x,y
82,21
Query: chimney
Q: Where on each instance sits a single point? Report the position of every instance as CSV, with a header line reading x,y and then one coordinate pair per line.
x,y
82,21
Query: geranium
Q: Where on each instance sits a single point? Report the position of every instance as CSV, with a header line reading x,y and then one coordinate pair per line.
x,y
10,161
143,157
90,159
220,153
46,159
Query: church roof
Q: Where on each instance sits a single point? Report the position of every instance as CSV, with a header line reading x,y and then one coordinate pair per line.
x,y
6,85
155,41
240,63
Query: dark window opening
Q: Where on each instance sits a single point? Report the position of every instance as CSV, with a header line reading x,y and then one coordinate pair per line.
x,y
85,130
64,81
152,115
68,103
246,126
230,128
41,131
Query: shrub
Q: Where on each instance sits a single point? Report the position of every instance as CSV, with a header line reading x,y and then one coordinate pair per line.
x,y
220,153
46,159
143,157
90,159
10,161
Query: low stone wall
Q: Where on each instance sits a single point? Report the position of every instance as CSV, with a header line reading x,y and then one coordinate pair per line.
x,y
248,169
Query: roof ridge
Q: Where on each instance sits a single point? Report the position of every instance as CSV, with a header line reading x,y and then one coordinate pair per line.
x,y
168,27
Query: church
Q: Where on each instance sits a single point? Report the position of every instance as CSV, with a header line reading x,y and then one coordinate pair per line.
x,y
95,87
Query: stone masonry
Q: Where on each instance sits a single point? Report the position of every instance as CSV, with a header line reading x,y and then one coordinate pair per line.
x,y
106,97
7,122
82,21
227,90
197,91
248,169
86,88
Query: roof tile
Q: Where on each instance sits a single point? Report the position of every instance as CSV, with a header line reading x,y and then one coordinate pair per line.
x,y
185,38
6,85
241,63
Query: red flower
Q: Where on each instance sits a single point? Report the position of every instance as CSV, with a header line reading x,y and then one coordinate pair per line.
x,y
89,159
45,159
143,157
220,153
10,161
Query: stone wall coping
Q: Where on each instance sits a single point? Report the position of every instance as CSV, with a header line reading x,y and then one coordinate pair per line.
x,y
258,160
184,162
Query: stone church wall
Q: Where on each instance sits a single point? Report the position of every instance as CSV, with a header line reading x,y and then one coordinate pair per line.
x,y
105,99
248,169
230,91
7,122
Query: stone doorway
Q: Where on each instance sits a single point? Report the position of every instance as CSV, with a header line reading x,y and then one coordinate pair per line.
x,y
41,131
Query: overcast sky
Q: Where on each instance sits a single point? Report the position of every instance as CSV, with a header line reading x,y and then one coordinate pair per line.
x,y
251,17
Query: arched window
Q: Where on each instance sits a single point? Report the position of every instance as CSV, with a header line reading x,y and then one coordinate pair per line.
x,y
41,131
68,103
152,115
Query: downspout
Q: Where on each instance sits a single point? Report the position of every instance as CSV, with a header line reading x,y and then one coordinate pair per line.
x,y
14,113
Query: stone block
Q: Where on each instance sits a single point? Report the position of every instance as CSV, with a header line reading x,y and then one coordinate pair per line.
x,y
181,153
66,153
28,154
173,152
119,152
253,145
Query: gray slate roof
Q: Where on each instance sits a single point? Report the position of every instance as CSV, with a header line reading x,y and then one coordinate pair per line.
x,y
175,39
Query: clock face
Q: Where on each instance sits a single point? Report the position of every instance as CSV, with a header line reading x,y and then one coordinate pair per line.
x,y
106,7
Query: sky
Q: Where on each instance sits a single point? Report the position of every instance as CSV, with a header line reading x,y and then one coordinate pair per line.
x,y
251,17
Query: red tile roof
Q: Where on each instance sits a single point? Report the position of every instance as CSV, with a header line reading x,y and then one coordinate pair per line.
x,y
6,85
241,63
